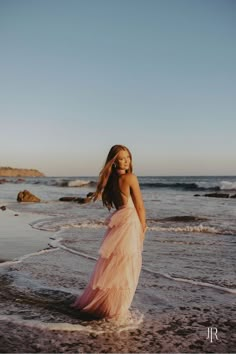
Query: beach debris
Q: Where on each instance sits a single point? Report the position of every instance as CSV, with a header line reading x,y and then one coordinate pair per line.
x,y
26,196
3,208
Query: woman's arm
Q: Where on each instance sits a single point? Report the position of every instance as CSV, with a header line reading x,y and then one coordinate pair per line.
x,y
137,199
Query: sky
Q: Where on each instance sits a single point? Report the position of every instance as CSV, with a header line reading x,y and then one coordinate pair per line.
x,y
158,76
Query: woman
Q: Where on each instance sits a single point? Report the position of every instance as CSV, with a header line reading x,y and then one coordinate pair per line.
x,y
115,277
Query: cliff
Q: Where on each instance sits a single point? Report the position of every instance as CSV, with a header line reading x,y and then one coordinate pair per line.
x,y
19,172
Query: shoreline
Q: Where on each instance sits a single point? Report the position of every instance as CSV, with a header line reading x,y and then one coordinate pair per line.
x,y
41,320
18,238
35,314
37,288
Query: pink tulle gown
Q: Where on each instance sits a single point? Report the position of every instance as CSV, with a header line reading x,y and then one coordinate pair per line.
x,y
113,282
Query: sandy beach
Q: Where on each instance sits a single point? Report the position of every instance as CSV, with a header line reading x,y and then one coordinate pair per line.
x,y
36,319
186,287
34,322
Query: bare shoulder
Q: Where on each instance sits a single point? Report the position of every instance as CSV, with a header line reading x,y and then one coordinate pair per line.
x,y
129,178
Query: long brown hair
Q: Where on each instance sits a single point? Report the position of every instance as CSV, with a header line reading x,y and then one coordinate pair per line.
x,y
106,175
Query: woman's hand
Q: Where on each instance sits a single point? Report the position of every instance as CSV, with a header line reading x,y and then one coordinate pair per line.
x,y
144,228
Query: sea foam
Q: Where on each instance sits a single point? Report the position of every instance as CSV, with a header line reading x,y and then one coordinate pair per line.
x,y
78,183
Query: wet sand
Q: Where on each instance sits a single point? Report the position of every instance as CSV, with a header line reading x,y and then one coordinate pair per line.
x,y
180,332
41,320
17,237
35,313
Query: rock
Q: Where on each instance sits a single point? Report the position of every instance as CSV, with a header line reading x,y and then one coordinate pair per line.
x,y
67,199
197,195
3,207
183,218
217,195
233,196
90,195
20,180
3,180
82,200
79,200
26,196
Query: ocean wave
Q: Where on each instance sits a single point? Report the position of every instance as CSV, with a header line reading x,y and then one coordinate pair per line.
x,y
50,181
189,229
192,186
80,183
195,184
226,185
71,183
179,186
57,224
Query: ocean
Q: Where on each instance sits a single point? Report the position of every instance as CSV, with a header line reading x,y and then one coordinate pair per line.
x,y
189,250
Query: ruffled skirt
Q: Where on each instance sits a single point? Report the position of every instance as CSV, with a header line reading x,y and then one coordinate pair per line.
x,y
113,282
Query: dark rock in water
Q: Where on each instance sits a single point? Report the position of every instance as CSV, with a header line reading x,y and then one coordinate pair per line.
x,y
183,218
26,196
90,194
233,196
79,200
3,207
3,180
217,195
197,195
85,200
20,180
67,199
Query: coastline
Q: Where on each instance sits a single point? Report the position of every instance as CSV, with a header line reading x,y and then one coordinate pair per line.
x,y
35,314
41,320
174,312
17,237
19,172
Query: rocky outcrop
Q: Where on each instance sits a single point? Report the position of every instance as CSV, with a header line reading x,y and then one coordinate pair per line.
x,y
19,172
26,196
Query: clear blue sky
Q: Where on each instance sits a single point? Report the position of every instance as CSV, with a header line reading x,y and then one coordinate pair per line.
x,y
78,76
